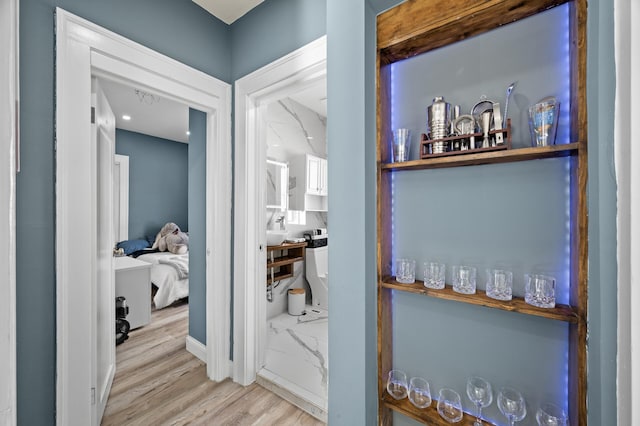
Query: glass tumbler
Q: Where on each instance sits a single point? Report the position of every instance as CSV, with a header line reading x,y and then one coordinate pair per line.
x,y
464,279
434,275
401,145
419,392
449,405
406,271
543,121
397,384
540,290
499,284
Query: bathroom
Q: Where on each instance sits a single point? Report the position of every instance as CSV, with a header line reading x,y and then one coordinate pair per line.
x,y
295,363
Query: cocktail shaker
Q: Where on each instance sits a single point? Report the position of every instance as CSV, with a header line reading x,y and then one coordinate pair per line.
x,y
438,122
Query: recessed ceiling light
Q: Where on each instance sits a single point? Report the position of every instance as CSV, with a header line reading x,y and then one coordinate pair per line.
x,y
309,137
188,133
126,117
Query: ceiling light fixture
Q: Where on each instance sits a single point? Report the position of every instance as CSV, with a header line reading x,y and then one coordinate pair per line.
x,y
188,133
126,117
146,97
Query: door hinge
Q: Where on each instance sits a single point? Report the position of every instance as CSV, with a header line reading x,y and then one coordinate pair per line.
x,y
93,115
93,396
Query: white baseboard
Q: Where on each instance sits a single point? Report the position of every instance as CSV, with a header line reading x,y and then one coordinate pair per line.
x,y
197,349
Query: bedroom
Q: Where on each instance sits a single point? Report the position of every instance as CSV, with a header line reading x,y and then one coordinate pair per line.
x,y
152,180
152,135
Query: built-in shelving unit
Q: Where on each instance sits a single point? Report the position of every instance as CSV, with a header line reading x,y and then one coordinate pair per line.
x,y
281,267
416,27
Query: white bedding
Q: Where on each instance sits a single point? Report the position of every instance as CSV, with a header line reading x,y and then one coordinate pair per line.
x,y
165,277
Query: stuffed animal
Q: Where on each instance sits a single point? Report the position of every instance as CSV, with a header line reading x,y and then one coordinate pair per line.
x,y
172,239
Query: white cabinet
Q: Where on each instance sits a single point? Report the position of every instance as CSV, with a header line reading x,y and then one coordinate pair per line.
x,y
310,192
133,281
316,175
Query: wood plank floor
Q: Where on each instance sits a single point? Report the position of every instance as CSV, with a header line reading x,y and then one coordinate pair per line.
x,y
158,382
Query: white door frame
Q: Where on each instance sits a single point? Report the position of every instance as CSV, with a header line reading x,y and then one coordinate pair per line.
x,y
286,75
9,124
84,49
627,157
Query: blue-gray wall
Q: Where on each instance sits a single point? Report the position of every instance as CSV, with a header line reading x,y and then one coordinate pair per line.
x,y
197,225
351,152
602,214
157,182
274,29
177,28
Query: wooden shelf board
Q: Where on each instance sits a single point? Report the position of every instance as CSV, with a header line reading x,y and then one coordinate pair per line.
x,y
427,415
560,312
279,276
284,260
416,27
287,246
494,157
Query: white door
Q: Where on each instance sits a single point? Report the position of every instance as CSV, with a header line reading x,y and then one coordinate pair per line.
x,y
103,294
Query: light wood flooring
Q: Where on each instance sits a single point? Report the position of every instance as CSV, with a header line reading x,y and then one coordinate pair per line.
x,y
158,382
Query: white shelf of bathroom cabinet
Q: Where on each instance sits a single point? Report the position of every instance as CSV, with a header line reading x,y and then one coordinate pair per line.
x,y
494,157
517,304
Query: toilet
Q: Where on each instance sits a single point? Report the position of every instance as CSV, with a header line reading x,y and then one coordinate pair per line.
x,y
316,271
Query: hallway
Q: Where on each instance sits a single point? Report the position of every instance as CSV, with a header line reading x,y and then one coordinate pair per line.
x,y
159,383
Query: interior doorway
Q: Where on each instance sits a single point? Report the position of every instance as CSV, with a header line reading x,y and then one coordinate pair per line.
x,y
83,50
301,68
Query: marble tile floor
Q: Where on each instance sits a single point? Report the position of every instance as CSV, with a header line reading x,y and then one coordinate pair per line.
x,y
296,360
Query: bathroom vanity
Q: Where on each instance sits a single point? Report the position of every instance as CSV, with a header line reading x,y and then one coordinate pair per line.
x,y
280,260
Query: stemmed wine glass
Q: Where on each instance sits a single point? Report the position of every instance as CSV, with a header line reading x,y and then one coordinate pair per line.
x,y
512,405
479,392
551,415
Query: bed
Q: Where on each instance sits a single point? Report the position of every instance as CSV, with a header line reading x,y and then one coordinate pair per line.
x,y
169,275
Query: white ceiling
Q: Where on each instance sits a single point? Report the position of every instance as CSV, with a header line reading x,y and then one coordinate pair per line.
x,y
154,115
150,113
227,10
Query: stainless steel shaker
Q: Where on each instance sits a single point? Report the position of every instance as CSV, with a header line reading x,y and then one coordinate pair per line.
x,y
438,122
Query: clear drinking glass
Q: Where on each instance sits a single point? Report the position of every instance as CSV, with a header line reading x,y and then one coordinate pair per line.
x,y
401,145
464,279
434,275
543,121
397,384
551,415
406,271
449,405
479,392
419,392
540,290
500,284
512,405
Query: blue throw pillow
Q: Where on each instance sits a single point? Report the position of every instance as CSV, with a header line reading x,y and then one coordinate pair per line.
x,y
129,246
